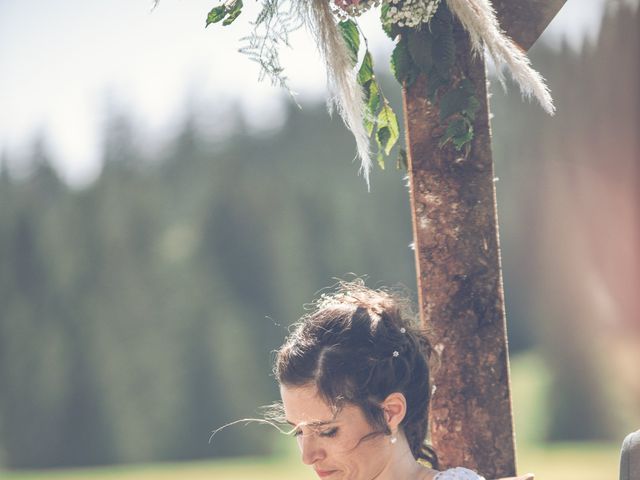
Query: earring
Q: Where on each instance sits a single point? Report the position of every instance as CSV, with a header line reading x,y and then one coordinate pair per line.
x,y
393,439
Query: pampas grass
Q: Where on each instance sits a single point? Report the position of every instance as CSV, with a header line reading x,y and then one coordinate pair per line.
x,y
345,92
479,19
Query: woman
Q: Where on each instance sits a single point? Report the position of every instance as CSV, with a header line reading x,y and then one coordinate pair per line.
x,y
354,381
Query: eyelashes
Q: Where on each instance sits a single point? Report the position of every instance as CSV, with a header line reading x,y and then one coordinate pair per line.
x,y
331,432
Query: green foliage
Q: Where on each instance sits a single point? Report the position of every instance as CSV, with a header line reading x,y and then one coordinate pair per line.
x,y
402,66
365,73
216,15
431,51
435,82
459,132
420,47
388,130
372,98
389,28
459,105
402,163
351,36
235,11
380,117
456,100
276,20
226,13
442,41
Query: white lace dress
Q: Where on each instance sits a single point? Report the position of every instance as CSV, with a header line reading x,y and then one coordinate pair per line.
x,y
458,473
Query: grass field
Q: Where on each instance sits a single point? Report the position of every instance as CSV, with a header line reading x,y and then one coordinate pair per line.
x,y
565,462
529,382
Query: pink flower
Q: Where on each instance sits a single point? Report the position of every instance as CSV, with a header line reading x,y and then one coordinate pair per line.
x,y
344,4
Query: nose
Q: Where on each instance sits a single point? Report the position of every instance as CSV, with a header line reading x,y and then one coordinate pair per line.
x,y
310,450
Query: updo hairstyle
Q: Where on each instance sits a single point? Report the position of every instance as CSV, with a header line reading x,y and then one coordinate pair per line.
x,y
357,346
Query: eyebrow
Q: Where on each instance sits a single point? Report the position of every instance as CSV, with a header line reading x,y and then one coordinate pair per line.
x,y
318,423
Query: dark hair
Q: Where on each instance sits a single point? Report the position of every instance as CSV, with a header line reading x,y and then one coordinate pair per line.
x,y
346,347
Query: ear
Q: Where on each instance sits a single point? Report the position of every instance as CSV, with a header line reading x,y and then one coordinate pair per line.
x,y
395,409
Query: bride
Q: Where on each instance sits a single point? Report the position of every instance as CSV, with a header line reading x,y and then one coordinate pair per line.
x,y
354,382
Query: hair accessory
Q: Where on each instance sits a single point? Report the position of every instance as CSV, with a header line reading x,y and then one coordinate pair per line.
x,y
403,330
396,353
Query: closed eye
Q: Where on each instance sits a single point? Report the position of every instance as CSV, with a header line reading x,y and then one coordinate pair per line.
x,y
329,433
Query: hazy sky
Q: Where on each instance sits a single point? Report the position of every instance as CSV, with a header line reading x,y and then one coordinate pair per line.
x,y
61,59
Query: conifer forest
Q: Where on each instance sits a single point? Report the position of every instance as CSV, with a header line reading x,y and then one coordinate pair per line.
x,y
140,312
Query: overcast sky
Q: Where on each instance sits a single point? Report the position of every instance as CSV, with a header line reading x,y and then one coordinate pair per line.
x,y
61,59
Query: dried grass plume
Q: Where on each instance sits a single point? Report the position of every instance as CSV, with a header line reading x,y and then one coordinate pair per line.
x,y
346,93
479,19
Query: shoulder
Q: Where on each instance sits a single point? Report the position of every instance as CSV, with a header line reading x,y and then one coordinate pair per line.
x,y
630,457
458,473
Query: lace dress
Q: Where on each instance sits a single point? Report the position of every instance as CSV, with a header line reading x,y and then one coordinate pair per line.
x,y
458,473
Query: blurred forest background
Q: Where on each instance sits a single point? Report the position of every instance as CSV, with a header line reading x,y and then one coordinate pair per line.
x,y
140,312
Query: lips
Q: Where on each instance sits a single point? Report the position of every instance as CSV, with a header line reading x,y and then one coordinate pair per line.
x,y
324,473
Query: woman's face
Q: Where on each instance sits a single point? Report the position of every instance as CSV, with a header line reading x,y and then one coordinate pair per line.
x,y
334,443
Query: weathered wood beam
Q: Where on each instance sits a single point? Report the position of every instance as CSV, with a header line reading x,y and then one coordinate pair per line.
x,y
454,214
459,281
525,20
460,289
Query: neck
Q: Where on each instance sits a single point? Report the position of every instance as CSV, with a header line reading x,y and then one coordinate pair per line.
x,y
402,465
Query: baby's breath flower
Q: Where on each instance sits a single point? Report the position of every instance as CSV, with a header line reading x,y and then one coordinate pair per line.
x,y
411,13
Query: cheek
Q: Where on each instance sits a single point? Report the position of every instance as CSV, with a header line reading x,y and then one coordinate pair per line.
x,y
365,461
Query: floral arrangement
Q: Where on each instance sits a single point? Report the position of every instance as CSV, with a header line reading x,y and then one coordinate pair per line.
x,y
425,44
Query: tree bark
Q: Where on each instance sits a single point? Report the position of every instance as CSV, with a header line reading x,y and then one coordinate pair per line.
x,y
459,281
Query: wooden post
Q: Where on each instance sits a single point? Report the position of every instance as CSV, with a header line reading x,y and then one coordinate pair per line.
x,y
457,252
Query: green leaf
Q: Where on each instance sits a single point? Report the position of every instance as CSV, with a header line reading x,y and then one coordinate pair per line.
x,y
216,15
434,82
350,34
373,97
389,28
402,162
366,69
444,53
473,105
460,132
383,135
452,102
401,63
388,131
456,128
368,126
419,43
460,141
232,16
442,21
234,11
467,86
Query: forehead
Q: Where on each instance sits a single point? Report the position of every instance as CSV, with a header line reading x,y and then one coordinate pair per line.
x,y
304,405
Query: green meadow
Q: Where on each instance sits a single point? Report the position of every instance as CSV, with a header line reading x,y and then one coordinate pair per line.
x,y
560,462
